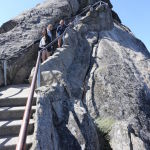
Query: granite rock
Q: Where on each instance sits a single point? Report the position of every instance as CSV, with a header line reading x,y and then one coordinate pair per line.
x,y
18,36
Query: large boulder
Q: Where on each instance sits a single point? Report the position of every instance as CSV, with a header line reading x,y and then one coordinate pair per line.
x,y
61,95
103,69
62,122
119,88
89,27
17,36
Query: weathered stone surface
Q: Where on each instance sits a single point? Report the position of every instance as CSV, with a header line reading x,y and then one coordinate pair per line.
x,y
137,143
115,16
119,85
123,139
112,82
63,76
102,71
44,127
74,46
120,133
7,26
17,34
61,122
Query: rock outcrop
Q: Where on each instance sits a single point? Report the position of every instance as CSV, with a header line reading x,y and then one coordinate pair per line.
x,y
7,26
105,69
63,77
119,86
95,89
18,35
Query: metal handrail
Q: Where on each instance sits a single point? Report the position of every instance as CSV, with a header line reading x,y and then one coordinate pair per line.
x,y
24,127
27,113
4,63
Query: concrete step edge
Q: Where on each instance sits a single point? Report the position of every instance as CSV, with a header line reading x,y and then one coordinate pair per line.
x,y
12,141
15,102
10,123
13,108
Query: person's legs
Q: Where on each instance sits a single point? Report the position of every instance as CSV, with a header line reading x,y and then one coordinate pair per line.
x,y
63,38
59,42
48,54
43,56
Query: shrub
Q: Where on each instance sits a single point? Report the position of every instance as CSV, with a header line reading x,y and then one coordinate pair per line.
x,y
104,126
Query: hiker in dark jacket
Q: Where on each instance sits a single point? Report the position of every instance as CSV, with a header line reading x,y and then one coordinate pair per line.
x,y
49,31
43,43
60,29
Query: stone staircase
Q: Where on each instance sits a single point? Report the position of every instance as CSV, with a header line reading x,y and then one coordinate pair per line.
x,y
12,105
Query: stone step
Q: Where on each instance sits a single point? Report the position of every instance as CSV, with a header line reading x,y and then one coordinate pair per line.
x,y
13,113
9,143
15,95
12,106
10,102
12,127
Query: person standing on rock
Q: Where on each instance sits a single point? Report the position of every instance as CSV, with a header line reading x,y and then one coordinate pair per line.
x,y
49,32
43,43
60,29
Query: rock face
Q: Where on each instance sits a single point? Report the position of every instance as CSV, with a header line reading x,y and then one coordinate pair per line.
x,y
119,83
95,89
18,35
63,77
7,26
102,71
62,122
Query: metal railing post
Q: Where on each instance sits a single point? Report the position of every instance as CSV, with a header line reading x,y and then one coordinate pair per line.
x,y
23,131
5,72
39,74
76,20
100,3
91,8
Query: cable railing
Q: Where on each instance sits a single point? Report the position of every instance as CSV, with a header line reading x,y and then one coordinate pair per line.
x,y
24,127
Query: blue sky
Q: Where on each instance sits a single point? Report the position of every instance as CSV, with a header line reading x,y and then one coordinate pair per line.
x,y
11,8
136,15
133,13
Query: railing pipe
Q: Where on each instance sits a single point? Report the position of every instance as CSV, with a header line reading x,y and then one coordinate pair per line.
x,y
23,131
5,72
39,73
100,3
91,8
